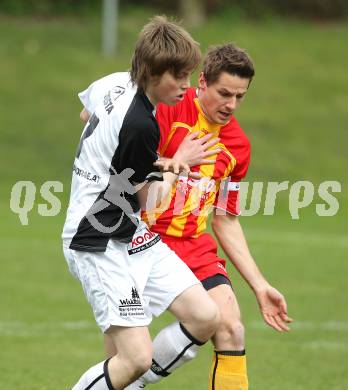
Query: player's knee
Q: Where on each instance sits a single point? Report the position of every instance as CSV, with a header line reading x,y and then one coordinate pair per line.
x,y
143,366
139,363
230,333
208,319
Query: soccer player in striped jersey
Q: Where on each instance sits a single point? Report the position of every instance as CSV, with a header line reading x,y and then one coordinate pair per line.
x,y
209,109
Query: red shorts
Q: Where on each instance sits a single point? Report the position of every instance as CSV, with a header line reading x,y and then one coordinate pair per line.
x,y
200,254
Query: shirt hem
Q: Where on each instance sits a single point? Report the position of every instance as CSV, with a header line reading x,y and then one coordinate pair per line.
x,y
86,248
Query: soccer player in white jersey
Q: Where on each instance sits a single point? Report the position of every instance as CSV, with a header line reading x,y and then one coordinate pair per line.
x,y
127,273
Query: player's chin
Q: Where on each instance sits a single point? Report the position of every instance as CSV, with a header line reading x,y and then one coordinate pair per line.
x,y
173,100
222,117
220,121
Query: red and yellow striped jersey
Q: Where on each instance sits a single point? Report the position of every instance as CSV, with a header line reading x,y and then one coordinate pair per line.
x,y
185,213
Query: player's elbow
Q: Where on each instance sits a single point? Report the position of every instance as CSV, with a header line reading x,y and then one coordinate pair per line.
x,y
224,223
84,115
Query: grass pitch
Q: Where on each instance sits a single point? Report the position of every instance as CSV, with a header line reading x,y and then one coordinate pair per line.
x,y
295,115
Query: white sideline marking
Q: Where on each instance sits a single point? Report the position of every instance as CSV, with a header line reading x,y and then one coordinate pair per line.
x,y
313,327
28,329
78,325
330,326
324,344
13,328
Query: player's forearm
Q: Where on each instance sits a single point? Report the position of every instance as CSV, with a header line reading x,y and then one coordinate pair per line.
x,y
156,193
231,238
163,189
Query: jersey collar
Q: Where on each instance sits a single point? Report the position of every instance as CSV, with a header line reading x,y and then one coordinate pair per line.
x,y
148,105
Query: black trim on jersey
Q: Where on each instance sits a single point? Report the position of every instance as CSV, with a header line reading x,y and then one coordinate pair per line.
x,y
154,176
189,336
216,280
97,379
107,376
138,142
88,238
93,122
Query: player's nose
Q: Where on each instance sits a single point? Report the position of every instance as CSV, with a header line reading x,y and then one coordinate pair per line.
x,y
231,104
186,84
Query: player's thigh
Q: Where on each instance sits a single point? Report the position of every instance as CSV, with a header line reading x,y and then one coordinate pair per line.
x,y
109,346
194,304
226,301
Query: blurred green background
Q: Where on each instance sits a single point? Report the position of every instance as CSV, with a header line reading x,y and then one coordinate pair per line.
x,y
295,115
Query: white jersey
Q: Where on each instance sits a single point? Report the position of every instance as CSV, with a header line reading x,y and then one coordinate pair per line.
x,y
132,275
117,148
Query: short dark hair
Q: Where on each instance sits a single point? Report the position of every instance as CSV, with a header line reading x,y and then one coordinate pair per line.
x,y
163,46
227,58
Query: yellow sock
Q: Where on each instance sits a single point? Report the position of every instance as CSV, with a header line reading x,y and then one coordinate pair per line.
x,y
228,371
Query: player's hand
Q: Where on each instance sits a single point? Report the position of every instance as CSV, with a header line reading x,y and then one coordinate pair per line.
x,y
175,166
273,308
195,151
172,165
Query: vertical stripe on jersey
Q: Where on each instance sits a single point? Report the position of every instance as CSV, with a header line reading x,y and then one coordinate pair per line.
x,y
202,220
186,223
179,222
175,125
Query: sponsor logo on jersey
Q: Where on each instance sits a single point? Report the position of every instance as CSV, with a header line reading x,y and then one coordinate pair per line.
x,y
85,174
142,240
116,92
111,96
108,103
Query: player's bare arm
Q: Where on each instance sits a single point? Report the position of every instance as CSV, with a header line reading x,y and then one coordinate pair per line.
x,y
271,302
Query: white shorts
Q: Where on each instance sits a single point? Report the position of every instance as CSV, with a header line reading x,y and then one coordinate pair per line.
x,y
129,283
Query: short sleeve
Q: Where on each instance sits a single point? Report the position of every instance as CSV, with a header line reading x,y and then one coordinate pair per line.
x,y
227,198
91,96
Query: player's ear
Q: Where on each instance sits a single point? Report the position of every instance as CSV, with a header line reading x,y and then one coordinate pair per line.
x,y
201,81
